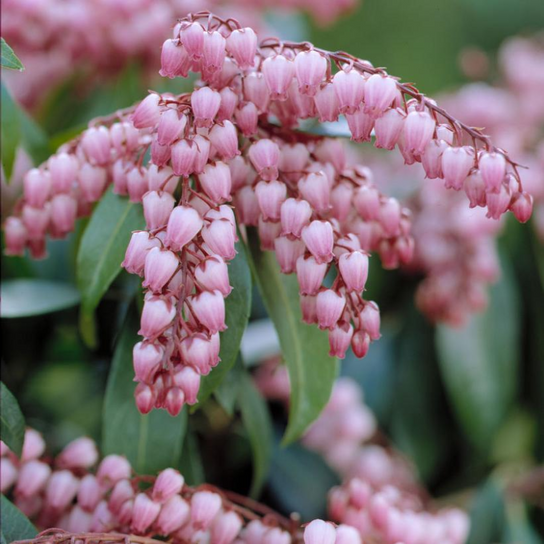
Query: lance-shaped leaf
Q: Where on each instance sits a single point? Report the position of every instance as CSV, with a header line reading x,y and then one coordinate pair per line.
x,y
14,525
9,58
150,442
304,347
11,131
103,247
237,308
12,422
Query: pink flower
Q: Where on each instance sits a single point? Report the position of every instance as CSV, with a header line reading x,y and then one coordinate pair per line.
x,y
418,131
310,68
314,187
224,139
264,155
319,532
174,59
388,128
170,126
160,266
157,208
278,73
456,165
183,225
157,315
220,238
204,507
212,273
310,275
173,515
148,112
354,270
145,512
146,358
80,453
242,45
379,92
329,308
493,169
37,187
216,182
140,244
209,308
349,89
270,196
205,103
319,239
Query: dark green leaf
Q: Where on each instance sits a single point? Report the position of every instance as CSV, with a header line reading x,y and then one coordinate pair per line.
x,y
304,347
257,422
237,308
191,463
34,139
12,422
9,58
487,514
227,392
479,364
103,247
151,442
10,131
14,524
29,297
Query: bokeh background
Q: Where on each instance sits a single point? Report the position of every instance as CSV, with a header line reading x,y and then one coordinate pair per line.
x,y
467,405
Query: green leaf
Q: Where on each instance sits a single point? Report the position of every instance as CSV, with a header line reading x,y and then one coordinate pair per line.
x,y
487,514
258,424
479,364
227,392
30,297
12,422
103,247
14,525
191,462
9,58
518,525
10,131
304,347
151,442
237,309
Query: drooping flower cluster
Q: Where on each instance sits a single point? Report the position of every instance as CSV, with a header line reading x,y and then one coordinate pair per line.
x,y
222,144
51,36
380,496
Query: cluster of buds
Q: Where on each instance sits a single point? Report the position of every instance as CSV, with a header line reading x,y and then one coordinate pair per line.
x,y
50,35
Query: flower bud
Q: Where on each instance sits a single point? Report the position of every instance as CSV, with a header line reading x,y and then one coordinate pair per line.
x,y
63,169
171,125
287,253
112,469
147,113
418,131
369,320
310,275
475,189
349,89
213,52
216,182
242,45
360,125
379,92
431,160
63,213
347,535
268,232
205,103
360,342
160,154
146,360
96,144
354,270
80,453
157,208
140,244
314,187
15,236
199,351
265,155
192,38
319,532
204,507
329,308
174,60
340,339
256,91
183,225
311,68
326,103
144,513
8,474
160,266
522,206
37,187
33,445
456,165
89,493
209,308
121,493
219,237
92,182
61,490
319,239
36,221
229,101
225,528
390,216
169,482
497,203
224,139
270,196
189,382
493,169
137,185
388,128
145,398
247,118
212,273
173,515
157,315
278,73
32,478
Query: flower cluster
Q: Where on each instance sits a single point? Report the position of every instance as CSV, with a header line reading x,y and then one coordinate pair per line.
x,y
380,496
51,37
221,147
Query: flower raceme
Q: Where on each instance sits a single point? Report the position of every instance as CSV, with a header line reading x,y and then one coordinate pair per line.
x,y
227,155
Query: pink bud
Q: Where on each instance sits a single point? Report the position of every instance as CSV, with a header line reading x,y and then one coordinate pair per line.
x,y
189,382
8,474
247,117
209,308
295,215
354,270
192,38
247,206
161,179
264,156
61,490
174,514
160,154
456,165
369,320
347,535
522,206
157,315
340,339
271,196
140,243
33,476
431,159
329,308
287,253
63,213
36,221
174,59
388,128
390,216
493,169
310,275
278,72
418,131
157,208
137,184
147,113
145,512
204,507
319,532
33,445
256,91
92,181
224,138
310,67
96,144
380,92
184,224
174,401
170,127
341,201
268,232
349,89
102,518
124,137
205,103
89,493
63,169
360,343
119,175
242,45
475,189
37,186
125,513
293,159
308,308
199,351
147,358
216,182
80,453
169,482
145,398
213,53
360,125
229,101
315,188
219,237
121,493
225,528
497,203
319,239
112,469
160,266
15,236
326,103
224,212
212,273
